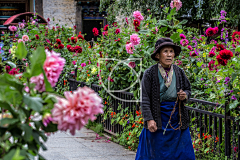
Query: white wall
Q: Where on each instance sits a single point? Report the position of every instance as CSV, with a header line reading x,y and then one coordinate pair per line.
x,y
63,10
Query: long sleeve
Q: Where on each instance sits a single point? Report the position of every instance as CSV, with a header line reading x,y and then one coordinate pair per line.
x,y
146,92
187,86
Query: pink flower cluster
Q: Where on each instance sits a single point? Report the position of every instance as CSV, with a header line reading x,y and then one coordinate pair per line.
x,y
211,31
130,48
12,28
134,39
131,64
138,16
53,67
176,3
184,42
74,112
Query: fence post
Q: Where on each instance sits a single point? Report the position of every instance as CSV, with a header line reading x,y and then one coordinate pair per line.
x,y
75,73
227,126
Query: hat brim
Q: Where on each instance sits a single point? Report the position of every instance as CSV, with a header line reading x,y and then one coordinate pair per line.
x,y
176,48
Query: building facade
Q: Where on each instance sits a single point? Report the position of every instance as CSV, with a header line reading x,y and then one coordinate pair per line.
x,y
84,14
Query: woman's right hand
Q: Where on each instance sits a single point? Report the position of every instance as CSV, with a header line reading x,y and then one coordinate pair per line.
x,y
152,126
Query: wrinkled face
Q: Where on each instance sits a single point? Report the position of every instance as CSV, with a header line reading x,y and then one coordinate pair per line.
x,y
166,56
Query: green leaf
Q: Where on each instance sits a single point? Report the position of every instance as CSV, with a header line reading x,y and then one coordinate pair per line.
x,y
183,21
9,80
10,154
48,86
21,51
37,60
234,75
143,31
17,155
233,105
175,37
199,64
34,103
51,127
8,121
11,64
179,30
6,106
27,132
163,29
162,23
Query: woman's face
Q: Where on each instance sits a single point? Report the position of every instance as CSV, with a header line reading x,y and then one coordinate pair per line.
x,y
166,56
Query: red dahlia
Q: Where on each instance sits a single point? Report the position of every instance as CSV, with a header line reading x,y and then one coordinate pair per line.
x,y
215,29
74,40
37,37
211,54
95,31
80,37
220,47
117,31
106,27
58,41
136,23
211,65
226,54
100,54
137,29
70,48
221,61
114,24
77,49
210,32
60,46
236,35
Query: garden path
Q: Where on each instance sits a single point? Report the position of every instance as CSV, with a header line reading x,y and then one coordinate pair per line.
x,y
84,146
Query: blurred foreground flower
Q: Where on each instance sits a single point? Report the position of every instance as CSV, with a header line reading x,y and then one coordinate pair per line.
x,y
74,112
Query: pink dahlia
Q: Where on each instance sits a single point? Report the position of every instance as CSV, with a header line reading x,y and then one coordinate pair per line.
x,y
210,32
74,112
20,40
130,48
25,38
134,39
182,36
131,64
190,47
73,62
12,28
184,42
193,53
83,64
176,3
39,81
137,15
53,67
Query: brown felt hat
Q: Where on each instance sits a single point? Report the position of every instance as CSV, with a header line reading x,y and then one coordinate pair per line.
x,y
161,42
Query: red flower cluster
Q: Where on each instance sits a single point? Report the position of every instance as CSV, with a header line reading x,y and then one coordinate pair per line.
x,y
235,39
113,114
37,37
80,37
95,31
224,56
220,47
211,65
58,41
76,49
13,71
114,24
236,36
211,54
106,27
58,44
211,31
136,24
100,54
117,31
73,40
138,113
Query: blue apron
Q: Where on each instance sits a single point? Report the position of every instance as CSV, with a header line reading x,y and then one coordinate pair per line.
x,y
174,144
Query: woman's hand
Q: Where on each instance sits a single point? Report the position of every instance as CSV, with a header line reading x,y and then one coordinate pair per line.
x,y
182,95
152,126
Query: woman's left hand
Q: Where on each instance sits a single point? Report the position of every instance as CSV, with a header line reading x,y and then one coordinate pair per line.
x,y
182,95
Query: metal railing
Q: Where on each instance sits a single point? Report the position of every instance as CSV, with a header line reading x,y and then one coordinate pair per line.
x,y
221,127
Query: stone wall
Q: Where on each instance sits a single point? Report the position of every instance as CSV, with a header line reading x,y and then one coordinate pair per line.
x,y
61,10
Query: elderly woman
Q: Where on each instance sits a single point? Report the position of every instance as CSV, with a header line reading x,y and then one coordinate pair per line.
x,y
165,88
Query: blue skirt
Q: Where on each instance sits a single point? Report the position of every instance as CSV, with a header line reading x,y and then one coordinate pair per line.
x,y
173,145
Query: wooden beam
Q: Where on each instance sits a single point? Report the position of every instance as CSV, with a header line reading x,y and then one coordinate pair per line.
x,y
39,7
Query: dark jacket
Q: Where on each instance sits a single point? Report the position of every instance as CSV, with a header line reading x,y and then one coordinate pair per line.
x,y
150,105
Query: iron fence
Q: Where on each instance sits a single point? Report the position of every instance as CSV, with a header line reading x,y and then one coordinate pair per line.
x,y
221,127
